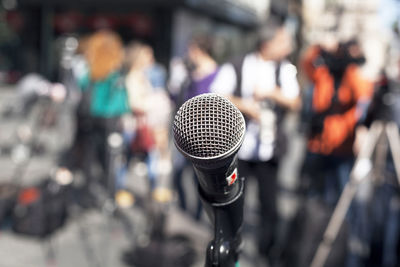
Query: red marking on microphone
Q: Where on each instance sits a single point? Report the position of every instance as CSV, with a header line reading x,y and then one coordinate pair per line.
x,y
232,178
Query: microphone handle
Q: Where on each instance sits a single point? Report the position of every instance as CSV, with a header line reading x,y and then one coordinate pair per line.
x,y
219,183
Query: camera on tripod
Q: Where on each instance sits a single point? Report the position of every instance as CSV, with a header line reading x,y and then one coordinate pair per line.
x,y
385,105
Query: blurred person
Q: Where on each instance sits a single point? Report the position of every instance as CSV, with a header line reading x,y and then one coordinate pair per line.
x,y
382,209
151,106
157,75
178,79
383,212
198,74
340,99
263,85
104,100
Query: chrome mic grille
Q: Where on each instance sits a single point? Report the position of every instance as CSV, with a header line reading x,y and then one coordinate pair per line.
x,y
208,126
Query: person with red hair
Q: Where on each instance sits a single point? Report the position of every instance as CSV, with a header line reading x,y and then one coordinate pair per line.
x,y
103,101
104,81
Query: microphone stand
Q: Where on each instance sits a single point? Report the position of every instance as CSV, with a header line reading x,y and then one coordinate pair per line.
x,y
227,217
203,123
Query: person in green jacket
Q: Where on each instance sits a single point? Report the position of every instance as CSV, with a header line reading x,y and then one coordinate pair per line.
x,y
104,82
104,100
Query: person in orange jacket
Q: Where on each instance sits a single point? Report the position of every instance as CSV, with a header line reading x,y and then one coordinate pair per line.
x,y
340,97
339,102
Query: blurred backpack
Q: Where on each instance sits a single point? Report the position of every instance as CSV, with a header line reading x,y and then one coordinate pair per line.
x,y
144,138
40,210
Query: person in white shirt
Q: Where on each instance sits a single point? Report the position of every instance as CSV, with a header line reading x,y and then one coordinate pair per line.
x,y
263,87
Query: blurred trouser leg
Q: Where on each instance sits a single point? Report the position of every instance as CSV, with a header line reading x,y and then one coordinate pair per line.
x,y
360,225
152,163
374,228
89,156
336,175
123,170
385,216
312,175
265,173
267,194
199,208
391,240
179,187
179,165
390,219
390,255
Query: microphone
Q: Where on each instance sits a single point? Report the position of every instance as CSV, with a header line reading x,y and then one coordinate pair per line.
x,y
209,130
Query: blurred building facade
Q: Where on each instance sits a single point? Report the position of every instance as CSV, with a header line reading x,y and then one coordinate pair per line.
x,y
346,19
31,27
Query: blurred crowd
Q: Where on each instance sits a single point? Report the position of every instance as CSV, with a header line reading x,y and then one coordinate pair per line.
x,y
124,101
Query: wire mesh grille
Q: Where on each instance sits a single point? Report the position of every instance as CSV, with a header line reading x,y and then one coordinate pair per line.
x,y
208,125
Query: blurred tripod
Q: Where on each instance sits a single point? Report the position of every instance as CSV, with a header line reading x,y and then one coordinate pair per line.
x,y
383,135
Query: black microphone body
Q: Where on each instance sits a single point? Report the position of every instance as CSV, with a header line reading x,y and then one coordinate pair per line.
x,y
213,180
209,130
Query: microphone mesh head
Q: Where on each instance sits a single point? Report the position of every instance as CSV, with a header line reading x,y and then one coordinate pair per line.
x,y
208,126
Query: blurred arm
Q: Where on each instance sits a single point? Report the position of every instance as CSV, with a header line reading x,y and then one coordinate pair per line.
x,y
288,95
249,107
308,62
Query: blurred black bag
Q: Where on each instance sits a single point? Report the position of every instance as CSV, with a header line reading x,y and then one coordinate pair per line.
x,y
40,210
307,232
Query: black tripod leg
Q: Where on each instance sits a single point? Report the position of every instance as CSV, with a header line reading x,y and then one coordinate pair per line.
x,y
394,144
361,169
